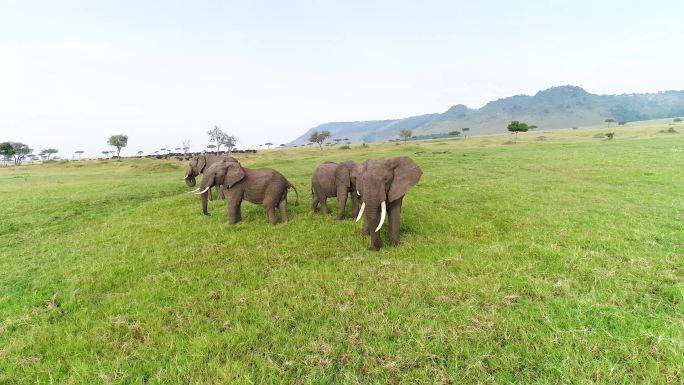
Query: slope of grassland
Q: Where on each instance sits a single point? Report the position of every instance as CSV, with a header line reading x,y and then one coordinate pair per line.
x,y
554,260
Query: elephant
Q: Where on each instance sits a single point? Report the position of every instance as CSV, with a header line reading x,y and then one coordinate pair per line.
x,y
198,164
381,185
264,186
335,180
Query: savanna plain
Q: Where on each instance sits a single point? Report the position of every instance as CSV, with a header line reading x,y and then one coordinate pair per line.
x,y
558,259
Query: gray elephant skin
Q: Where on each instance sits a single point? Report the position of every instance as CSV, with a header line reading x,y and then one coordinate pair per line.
x,y
335,180
264,186
381,185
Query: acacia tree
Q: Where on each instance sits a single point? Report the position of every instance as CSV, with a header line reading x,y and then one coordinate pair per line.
x,y
465,132
79,152
455,133
406,134
186,146
609,121
268,144
221,139
106,154
49,151
140,153
119,141
319,138
516,126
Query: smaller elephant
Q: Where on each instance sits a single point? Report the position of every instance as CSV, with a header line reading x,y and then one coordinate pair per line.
x,y
335,180
264,186
381,185
198,164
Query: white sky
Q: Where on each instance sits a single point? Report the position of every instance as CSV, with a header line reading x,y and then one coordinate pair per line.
x,y
72,73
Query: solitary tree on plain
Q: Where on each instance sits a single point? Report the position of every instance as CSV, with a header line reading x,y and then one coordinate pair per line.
x,y
211,147
319,138
118,141
221,139
455,133
186,146
609,121
140,153
49,151
465,131
268,144
79,152
516,126
282,144
406,134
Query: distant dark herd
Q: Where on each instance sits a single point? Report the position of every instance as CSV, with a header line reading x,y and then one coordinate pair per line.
x,y
181,157
377,188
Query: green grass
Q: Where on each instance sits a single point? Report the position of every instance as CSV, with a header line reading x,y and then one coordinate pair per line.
x,y
548,261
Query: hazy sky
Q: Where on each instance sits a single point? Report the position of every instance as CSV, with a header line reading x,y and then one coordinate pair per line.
x,y
74,72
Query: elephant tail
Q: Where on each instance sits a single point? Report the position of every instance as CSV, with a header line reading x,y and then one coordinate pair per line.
x,y
290,185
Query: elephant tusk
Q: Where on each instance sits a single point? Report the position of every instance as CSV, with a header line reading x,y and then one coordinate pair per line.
x,y
383,208
203,191
358,193
186,177
194,190
363,206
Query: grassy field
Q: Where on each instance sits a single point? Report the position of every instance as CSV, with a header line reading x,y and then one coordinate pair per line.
x,y
554,260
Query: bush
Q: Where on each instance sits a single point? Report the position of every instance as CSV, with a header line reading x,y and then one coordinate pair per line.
x,y
677,120
600,136
345,147
670,130
610,135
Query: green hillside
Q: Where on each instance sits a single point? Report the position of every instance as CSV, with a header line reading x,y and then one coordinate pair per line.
x,y
557,107
554,260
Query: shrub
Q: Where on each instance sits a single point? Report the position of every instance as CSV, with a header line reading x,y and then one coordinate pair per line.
x,y
610,135
345,147
600,136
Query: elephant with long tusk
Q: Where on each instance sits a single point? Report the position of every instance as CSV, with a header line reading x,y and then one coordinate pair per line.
x,y
381,185
264,186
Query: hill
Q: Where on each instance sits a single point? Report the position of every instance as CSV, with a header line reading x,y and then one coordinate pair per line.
x,y
556,107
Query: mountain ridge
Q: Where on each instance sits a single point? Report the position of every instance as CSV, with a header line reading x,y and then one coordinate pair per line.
x,y
554,107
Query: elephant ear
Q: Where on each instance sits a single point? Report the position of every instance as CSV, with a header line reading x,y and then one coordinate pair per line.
x,y
201,163
406,175
342,175
234,174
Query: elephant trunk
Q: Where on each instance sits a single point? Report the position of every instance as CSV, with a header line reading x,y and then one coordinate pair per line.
x,y
189,177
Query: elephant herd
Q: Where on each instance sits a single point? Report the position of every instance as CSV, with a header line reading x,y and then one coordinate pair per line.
x,y
377,188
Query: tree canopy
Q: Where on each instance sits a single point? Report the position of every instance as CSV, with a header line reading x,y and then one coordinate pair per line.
x,y
319,138
119,141
216,135
516,126
406,134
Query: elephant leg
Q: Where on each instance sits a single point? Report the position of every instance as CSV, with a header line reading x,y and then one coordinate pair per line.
x,y
314,204
283,209
204,204
394,213
221,193
341,202
211,196
234,215
324,204
271,214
